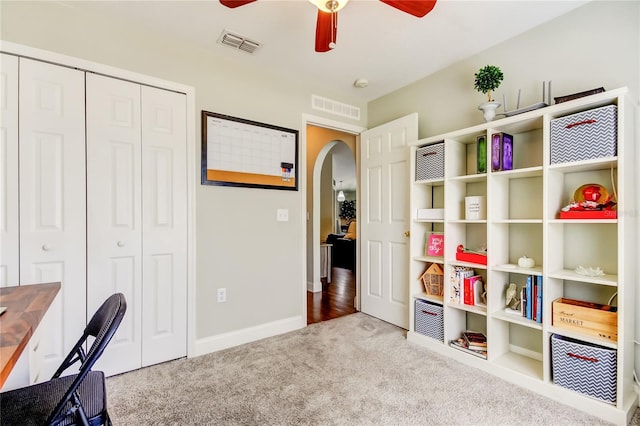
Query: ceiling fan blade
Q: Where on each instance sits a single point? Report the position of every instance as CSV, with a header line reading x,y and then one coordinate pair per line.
x,y
326,31
417,8
235,3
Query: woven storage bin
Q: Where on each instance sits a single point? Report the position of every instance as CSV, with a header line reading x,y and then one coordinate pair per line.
x,y
429,320
584,367
430,162
585,135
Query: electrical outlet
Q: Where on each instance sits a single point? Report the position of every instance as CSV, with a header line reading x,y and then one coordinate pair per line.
x,y
222,295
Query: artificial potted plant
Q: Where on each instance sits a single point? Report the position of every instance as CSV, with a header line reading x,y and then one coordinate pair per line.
x,y
487,79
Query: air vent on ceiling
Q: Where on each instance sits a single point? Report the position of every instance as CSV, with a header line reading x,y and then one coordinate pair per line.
x,y
238,42
335,107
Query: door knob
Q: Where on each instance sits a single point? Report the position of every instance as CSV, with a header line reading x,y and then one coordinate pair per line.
x,y
407,234
46,247
120,243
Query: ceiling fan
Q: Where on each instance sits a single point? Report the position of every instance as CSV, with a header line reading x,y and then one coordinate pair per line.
x,y
327,22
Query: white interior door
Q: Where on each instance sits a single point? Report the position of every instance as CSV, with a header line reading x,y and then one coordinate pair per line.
x,y
9,232
384,220
52,197
164,225
114,228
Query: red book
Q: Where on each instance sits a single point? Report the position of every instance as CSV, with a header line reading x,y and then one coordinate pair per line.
x,y
470,290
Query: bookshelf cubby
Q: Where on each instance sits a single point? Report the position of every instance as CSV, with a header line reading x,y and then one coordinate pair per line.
x,y
522,219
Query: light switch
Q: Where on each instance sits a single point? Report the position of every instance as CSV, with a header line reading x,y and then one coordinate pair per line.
x,y
283,215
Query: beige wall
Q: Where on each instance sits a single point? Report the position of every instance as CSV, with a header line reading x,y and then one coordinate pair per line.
x,y
240,245
597,45
327,200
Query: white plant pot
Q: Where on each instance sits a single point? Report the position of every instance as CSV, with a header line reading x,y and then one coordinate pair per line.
x,y
489,110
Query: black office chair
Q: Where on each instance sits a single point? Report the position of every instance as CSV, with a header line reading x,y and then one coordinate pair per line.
x,y
77,399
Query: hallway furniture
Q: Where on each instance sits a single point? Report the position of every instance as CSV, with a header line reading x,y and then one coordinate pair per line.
x,y
325,261
343,254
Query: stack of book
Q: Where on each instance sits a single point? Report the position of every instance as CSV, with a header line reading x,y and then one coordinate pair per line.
x,y
530,299
456,282
472,342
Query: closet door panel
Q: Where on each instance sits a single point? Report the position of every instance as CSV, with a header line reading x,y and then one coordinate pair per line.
x,y
114,227
9,233
164,301
52,196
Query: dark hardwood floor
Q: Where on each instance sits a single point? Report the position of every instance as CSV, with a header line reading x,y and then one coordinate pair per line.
x,y
335,300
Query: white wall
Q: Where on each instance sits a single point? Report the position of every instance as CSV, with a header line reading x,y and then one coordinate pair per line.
x,y
240,245
597,45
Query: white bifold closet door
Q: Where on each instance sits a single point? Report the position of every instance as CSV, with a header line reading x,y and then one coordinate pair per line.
x,y
136,206
164,225
9,211
52,199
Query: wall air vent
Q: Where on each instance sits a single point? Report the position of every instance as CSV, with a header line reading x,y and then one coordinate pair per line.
x,y
238,42
335,107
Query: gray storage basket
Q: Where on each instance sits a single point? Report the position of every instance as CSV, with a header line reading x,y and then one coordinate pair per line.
x,y
430,162
585,135
584,367
429,319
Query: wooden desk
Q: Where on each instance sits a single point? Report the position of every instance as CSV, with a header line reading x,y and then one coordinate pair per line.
x,y
26,305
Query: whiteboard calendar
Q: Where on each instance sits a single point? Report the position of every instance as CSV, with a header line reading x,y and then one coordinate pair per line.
x,y
239,152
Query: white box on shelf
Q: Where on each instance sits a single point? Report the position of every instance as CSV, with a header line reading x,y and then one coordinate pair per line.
x,y
430,214
475,207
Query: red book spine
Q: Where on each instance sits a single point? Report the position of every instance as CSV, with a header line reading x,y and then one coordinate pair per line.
x,y
468,292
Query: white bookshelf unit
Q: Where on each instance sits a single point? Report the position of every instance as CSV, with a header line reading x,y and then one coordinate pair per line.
x,y
522,210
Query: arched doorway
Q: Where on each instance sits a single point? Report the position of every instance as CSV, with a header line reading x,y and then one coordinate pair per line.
x,y
330,291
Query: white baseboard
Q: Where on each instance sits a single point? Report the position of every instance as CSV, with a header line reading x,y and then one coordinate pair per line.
x,y
246,335
314,287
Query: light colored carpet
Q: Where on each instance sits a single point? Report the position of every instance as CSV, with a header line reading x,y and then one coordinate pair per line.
x,y
354,370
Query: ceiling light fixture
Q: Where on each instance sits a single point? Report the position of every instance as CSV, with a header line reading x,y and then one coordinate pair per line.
x,y
327,23
341,196
329,5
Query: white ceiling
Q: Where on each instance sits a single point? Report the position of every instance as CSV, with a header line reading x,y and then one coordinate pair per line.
x,y
387,47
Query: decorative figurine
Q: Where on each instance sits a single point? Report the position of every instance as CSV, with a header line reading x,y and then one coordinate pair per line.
x,y
526,262
511,297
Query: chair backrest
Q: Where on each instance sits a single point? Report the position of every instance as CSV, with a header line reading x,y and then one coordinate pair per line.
x,y
102,327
